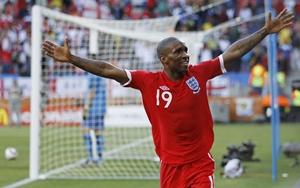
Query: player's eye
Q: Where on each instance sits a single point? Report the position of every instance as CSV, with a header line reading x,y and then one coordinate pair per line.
x,y
185,49
177,51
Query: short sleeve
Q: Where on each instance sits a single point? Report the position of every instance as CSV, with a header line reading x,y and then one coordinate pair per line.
x,y
211,68
136,79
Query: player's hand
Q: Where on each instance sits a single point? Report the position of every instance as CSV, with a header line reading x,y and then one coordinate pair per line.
x,y
58,53
282,20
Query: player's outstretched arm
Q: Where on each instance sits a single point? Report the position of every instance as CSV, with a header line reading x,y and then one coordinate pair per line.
x,y
97,67
242,46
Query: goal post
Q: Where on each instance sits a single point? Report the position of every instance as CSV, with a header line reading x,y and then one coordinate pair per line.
x,y
35,92
58,148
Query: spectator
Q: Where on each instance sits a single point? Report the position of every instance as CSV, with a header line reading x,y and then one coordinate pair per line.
x,y
205,53
15,12
295,56
257,79
6,54
296,97
90,9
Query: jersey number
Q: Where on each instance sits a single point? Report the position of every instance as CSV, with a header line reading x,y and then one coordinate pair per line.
x,y
165,95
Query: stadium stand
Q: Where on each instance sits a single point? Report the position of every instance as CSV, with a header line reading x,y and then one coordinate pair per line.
x,y
15,23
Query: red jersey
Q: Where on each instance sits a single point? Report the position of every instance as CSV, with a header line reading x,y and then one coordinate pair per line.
x,y
182,125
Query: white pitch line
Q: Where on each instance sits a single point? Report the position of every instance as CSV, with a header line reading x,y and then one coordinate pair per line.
x,y
76,164
127,146
116,150
20,183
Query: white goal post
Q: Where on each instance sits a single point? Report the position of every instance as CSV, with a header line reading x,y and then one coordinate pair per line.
x,y
57,146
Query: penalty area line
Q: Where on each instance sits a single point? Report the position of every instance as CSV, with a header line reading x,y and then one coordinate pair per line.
x,y
105,154
20,183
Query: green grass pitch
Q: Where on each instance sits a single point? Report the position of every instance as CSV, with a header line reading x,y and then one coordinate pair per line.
x,y
257,175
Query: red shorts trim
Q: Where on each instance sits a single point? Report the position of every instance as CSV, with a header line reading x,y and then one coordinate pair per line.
x,y
197,174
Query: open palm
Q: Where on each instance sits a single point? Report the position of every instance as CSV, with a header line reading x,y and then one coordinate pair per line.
x,y
58,53
282,20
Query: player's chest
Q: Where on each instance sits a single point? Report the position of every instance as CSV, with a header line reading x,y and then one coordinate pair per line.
x,y
168,96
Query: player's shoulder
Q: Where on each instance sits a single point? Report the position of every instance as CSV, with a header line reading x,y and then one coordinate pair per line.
x,y
145,77
195,67
203,64
145,73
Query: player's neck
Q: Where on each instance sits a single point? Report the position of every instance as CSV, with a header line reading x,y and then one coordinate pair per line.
x,y
174,76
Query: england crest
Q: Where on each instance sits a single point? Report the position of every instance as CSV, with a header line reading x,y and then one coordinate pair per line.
x,y
193,85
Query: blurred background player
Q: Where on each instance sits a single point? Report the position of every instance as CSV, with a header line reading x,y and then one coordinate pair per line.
x,y
15,101
93,118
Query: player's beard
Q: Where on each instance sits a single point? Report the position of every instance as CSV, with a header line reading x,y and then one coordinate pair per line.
x,y
178,68
183,68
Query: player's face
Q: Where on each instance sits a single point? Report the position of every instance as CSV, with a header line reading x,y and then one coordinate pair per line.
x,y
177,58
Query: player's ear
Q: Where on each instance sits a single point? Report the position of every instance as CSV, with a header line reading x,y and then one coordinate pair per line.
x,y
163,59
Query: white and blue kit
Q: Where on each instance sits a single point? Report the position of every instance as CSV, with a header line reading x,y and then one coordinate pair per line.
x,y
93,119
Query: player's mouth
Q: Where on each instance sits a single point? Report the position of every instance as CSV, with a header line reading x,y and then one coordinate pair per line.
x,y
185,63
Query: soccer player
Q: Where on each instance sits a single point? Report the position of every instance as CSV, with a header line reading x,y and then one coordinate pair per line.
x,y
15,102
93,119
176,102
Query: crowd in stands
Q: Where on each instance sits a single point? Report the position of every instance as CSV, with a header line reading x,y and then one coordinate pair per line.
x,y
15,37
15,33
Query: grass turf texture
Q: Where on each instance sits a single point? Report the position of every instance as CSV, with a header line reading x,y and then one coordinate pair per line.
x,y
258,174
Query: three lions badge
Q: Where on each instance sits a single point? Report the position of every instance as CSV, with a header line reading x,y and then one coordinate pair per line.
x,y
193,85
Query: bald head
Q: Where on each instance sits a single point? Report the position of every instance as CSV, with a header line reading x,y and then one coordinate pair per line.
x,y
164,44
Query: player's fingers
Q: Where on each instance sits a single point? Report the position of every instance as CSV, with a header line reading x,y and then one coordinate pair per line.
x,y
46,45
47,48
66,42
281,13
288,21
288,17
269,17
287,24
48,52
49,43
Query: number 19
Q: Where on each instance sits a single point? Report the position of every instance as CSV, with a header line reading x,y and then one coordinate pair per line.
x,y
165,95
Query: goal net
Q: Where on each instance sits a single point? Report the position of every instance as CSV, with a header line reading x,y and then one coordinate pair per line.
x,y
59,148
